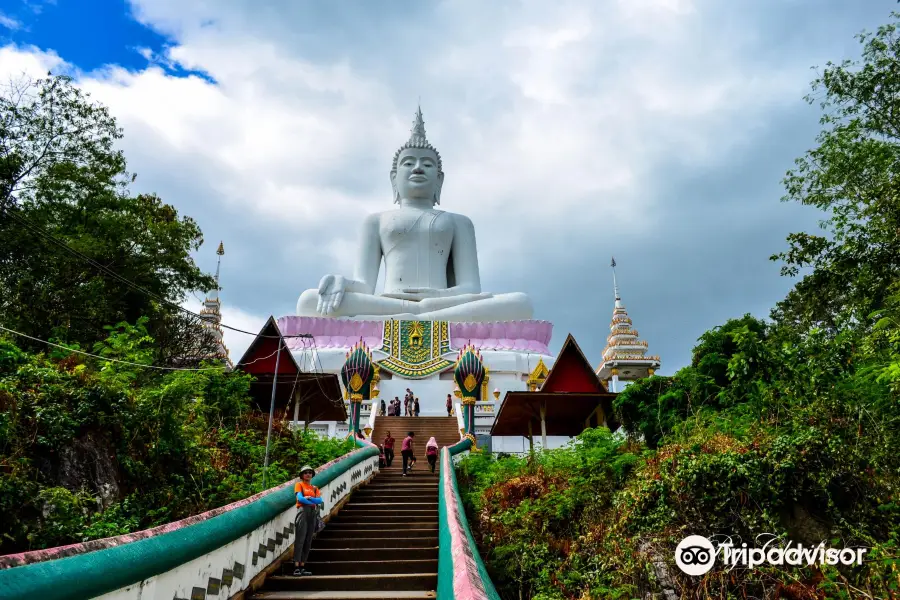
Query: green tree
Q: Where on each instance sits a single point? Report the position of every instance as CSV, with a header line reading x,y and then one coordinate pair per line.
x,y
61,176
852,176
728,364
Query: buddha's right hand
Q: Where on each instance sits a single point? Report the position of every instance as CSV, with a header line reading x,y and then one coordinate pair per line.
x,y
331,293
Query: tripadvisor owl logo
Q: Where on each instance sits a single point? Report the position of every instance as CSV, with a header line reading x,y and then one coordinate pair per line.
x,y
695,555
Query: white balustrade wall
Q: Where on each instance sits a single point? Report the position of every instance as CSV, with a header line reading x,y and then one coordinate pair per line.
x,y
243,559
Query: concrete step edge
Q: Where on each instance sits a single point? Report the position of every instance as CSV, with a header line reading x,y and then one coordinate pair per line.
x,y
352,577
388,541
342,595
370,562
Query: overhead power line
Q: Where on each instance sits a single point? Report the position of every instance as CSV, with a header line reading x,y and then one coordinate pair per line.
x,y
36,229
128,362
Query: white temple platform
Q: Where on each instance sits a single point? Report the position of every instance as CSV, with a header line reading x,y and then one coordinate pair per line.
x,y
421,355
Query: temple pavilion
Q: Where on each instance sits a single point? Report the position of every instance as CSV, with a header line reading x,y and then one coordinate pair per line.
x,y
561,402
294,391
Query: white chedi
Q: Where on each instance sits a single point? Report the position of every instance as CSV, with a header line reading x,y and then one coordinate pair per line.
x,y
430,256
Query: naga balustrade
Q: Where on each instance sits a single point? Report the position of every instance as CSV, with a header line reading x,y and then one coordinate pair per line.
x,y
213,555
461,572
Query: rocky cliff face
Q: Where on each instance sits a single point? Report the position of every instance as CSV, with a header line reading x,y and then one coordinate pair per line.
x,y
88,464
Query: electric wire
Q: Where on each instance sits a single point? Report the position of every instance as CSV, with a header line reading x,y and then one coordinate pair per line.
x,y
314,358
127,362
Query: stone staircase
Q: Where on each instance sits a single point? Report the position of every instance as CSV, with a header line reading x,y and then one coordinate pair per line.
x,y
444,429
382,544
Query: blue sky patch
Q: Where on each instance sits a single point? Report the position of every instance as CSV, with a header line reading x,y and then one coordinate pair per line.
x,y
88,34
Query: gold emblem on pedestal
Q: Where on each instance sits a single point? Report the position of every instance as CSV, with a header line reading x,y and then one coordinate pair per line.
x,y
415,334
416,349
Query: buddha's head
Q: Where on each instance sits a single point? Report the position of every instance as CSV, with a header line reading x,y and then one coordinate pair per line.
x,y
416,171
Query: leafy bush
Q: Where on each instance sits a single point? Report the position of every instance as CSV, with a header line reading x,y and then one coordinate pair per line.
x,y
91,451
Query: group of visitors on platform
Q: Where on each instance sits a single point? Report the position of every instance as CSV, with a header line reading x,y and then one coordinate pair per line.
x,y
410,406
407,451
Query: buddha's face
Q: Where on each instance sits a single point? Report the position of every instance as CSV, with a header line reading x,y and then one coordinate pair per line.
x,y
417,175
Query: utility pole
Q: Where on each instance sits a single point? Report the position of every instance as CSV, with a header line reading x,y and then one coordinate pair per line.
x,y
271,414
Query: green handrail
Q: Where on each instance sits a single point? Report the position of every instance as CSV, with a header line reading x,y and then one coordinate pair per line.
x,y
102,571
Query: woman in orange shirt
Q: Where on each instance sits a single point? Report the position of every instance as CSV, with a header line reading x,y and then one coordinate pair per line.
x,y
309,500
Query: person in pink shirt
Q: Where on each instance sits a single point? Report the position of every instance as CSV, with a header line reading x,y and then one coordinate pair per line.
x,y
388,445
431,452
406,450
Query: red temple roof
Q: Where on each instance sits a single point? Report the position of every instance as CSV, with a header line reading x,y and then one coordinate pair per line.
x,y
572,372
319,393
569,396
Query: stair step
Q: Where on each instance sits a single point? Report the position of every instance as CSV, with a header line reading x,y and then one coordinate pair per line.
x,y
422,469
416,501
408,489
389,530
396,490
397,525
411,506
397,470
368,554
372,510
394,581
395,498
424,480
418,471
344,595
396,508
374,505
378,540
373,567
384,516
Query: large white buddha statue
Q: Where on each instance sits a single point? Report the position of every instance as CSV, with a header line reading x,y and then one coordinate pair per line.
x,y
430,256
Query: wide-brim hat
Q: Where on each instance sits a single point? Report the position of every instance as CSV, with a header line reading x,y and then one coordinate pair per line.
x,y
307,468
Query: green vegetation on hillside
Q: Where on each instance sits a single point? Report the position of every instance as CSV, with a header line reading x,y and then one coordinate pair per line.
x,y
94,448
789,427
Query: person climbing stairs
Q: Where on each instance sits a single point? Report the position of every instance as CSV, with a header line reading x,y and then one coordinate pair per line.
x,y
382,544
444,429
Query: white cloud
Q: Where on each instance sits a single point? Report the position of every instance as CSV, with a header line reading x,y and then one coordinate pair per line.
x,y
28,61
237,343
553,119
9,22
276,132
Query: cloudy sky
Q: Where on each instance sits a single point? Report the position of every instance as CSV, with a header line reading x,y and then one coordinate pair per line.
x,y
656,131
